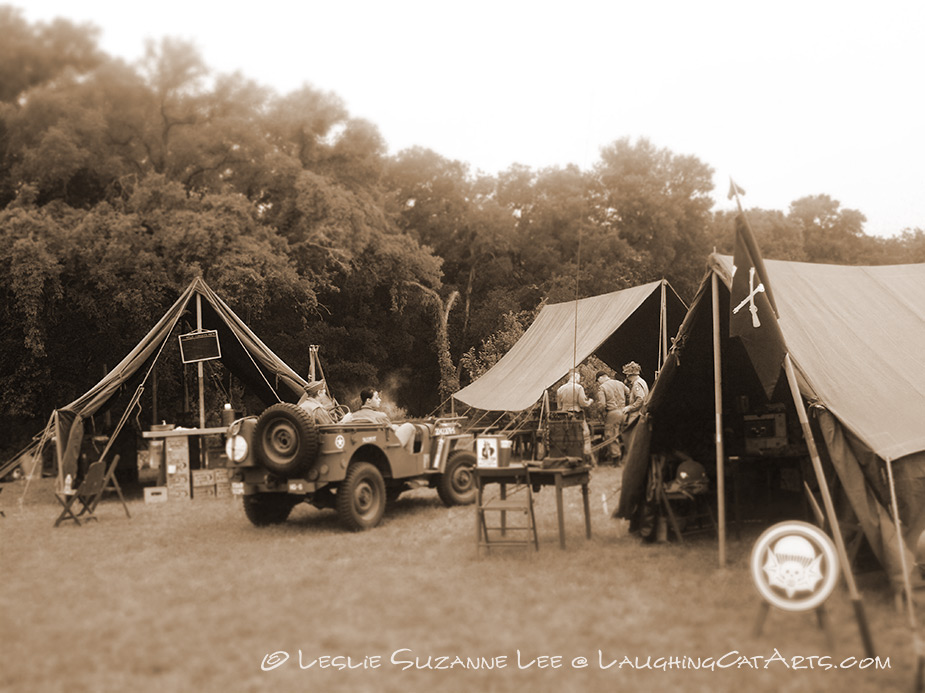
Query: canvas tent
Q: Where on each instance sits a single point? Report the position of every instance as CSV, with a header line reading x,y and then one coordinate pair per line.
x,y
622,326
854,336
242,353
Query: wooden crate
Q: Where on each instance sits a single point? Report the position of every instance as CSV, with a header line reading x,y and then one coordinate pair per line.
x,y
204,492
177,451
203,477
155,494
178,493
221,474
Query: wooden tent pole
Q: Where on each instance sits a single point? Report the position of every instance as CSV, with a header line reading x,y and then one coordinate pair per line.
x,y
718,406
662,330
907,586
199,366
829,506
154,397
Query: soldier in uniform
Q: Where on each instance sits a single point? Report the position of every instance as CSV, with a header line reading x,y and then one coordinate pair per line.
x,y
311,401
612,398
638,391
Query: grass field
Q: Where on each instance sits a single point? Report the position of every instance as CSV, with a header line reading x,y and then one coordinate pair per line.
x,y
191,597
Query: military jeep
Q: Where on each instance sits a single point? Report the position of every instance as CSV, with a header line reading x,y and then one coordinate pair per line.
x,y
283,458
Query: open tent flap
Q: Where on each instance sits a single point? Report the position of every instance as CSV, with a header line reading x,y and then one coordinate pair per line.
x,y
262,371
854,335
618,327
252,361
859,472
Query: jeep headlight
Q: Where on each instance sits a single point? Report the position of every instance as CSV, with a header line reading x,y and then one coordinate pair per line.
x,y
236,448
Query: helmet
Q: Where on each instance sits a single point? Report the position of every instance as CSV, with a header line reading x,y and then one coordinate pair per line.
x,y
632,368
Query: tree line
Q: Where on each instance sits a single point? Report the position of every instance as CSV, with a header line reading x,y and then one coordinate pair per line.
x,y
121,182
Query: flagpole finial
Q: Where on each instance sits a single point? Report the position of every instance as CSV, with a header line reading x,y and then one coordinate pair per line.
x,y
734,190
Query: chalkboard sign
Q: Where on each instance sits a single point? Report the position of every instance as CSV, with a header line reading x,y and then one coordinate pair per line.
x,y
200,346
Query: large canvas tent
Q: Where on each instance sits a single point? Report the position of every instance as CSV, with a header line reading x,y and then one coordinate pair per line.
x,y
854,335
627,325
242,353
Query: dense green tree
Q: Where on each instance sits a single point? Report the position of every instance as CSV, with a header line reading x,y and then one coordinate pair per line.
x,y
659,203
830,233
34,54
778,236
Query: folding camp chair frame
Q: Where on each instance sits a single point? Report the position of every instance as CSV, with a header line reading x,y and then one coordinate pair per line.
x,y
90,498
87,493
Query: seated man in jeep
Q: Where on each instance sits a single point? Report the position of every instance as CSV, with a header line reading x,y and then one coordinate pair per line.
x,y
370,412
311,402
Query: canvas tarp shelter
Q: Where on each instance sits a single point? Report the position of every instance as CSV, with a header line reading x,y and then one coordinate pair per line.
x,y
618,327
242,353
855,336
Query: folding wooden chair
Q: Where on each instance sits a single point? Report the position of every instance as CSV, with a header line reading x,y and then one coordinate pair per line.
x,y
685,511
87,494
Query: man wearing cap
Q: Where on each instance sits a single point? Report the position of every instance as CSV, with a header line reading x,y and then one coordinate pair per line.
x,y
611,397
311,402
638,390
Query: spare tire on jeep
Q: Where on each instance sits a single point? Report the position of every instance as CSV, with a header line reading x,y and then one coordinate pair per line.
x,y
285,439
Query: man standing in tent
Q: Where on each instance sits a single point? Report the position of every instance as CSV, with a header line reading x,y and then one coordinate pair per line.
x,y
638,391
612,398
571,397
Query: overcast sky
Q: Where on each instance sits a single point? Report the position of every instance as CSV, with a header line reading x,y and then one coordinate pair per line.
x,y
791,98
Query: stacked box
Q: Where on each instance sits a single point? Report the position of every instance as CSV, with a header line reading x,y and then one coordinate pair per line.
x,y
178,493
202,492
178,471
222,475
203,477
177,452
222,482
203,484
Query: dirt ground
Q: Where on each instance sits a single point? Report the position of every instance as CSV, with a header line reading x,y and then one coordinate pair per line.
x,y
191,597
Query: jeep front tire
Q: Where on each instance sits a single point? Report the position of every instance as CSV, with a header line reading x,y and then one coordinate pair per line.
x,y
361,497
457,483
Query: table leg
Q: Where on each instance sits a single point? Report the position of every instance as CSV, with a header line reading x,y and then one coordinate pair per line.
x,y
503,512
478,519
587,503
560,512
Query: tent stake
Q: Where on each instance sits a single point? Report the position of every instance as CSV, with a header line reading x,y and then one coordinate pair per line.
x,y
718,405
829,506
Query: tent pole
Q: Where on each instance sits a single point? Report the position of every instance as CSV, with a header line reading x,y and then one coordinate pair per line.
x,y
154,397
718,406
199,366
907,586
829,506
663,328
